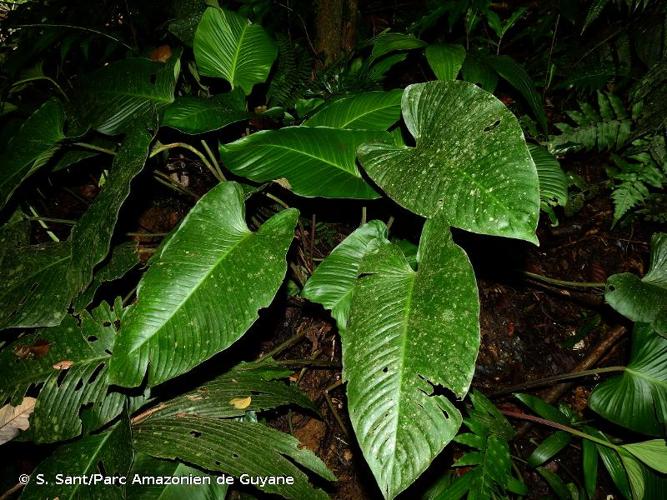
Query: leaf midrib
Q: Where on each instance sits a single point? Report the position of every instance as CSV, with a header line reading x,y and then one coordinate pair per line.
x,y
643,376
236,54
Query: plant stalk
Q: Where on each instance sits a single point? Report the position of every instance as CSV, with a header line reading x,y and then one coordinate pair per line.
x,y
557,378
563,283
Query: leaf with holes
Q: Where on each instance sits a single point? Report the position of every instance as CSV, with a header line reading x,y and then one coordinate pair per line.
x,y
643,299
229,46
33,145
69,364
109,453
179,319
638,398
470,161
315,161
367,111
333,281
408,334
197,115
233,447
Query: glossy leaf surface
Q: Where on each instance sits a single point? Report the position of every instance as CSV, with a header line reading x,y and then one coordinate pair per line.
x,y
368,111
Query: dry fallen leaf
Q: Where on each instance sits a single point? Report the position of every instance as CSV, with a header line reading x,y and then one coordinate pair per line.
x,y
15,418
37,350
241,403
63,365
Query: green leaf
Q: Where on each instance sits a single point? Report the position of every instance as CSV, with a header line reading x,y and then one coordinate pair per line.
x,y
390,42
549,448
197,115
229,46
635,475
555,483
109,453
367,111
445,60
73,156
333,281
179,320
653,453
553,181
643,299
638,398
123,258
246,387
33,145
516,75
401,321
542,408
315,161
125,91
589,466
475,70
37,288
147,466
470,161
68,363
234,448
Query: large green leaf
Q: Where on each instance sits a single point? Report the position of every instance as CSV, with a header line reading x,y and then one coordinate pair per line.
x,y
235,448
229,46
388,42
407,333
246,387
32,146
333,281
653,453
643,299
638,398
68,363
445,60
147,466
108,454
127,90
91,237
36,284
315,161
553,181
368,111
197,115
203,289
470,161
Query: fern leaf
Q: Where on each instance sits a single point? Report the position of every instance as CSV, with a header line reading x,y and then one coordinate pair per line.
x,y
292,74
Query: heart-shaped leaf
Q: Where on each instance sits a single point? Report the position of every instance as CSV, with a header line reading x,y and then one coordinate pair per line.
x,y
203,290
229,46
408,333
470,161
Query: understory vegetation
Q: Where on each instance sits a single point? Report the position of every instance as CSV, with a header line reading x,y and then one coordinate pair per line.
x,y
334,249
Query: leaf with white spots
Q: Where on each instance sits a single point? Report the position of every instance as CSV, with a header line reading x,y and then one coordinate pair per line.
x,y
14,419
69,364
203,290
408,334
470,161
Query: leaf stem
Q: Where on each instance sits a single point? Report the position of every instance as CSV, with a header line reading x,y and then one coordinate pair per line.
x,y
214,161
294,339
82,28
563,283
164,147
69,222
557,378
93,147
43,77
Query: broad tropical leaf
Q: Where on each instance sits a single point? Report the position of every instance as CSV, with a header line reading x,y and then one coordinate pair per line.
x,y
315,161
109,453
470,161
408,332
638,398
333,281
147,466
68,363
73,156
123,258
445,60
653,453
197,115
246,387
36,284
33,145
131,89
233,447
643,299
368,111
390,42
229,46
203,290
553,182
91,237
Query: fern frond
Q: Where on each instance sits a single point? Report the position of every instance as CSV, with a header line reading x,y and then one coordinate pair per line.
x,y
292,74
605,128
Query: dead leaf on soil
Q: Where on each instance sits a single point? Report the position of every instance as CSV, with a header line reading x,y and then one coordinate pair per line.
x,y
15,418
